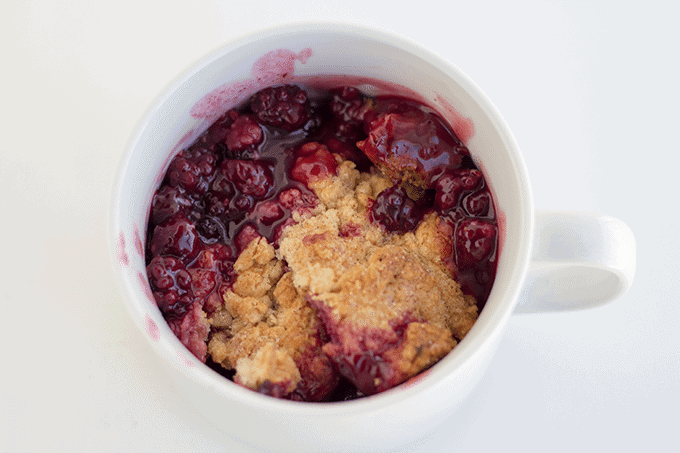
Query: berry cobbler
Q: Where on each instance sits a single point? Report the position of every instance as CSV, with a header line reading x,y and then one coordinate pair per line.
x,y
322,245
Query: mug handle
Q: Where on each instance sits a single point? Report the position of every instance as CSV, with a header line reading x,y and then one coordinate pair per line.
x,y
579,260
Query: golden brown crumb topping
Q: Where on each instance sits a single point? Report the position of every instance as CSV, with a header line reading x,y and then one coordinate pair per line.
x,y
338,269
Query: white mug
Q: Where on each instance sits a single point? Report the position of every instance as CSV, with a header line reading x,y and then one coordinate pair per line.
x,y
548,260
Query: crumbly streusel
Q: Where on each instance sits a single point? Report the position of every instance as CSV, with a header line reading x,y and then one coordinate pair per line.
x,y
340,289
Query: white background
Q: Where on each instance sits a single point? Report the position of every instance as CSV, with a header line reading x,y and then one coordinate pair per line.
x,y
590,90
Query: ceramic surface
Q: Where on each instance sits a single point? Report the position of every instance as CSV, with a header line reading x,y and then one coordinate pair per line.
x,y
303,54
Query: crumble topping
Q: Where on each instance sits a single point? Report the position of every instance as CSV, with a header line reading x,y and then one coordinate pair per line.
x,y
388,296
265,330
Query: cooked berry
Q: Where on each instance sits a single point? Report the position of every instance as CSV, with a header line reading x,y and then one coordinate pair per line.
x,y
218,131
314,163
293,199
222,184
346,391
284,106
171,285
275,389
342,125
451,185
244,133
167,202
268,212
280,227
349,105
366,356
192,169
244,203
245,236
183,173
410,144
251,177
348,150
203,282
217,257
211,230
475,241
394,210
477,204
192,330
319,378
216,204
178,237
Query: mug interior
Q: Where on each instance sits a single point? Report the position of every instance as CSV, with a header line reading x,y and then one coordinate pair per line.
x,y
301,54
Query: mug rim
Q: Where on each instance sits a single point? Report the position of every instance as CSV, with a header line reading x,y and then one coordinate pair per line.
x,y
480,333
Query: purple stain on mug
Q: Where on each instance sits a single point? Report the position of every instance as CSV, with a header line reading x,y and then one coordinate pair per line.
x,y
278,63
185,361
273,67
143,280
122,254
502,230
462,126
139,245
152,328
187,138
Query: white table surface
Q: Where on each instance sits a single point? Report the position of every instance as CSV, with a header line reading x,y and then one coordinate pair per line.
x,y
590,90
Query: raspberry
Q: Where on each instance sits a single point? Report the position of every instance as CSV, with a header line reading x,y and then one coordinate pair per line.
x,y
221,184
245,236
192,169
212,267
178,237
167,202
285,107
315,162
217,257
244,133
450,186
410,144
216,204
192,330
268,212
294,199
394,210
171,285
475,240
348,105
251,177
218,131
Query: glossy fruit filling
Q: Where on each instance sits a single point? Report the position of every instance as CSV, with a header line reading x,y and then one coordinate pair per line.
x,y
249,175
